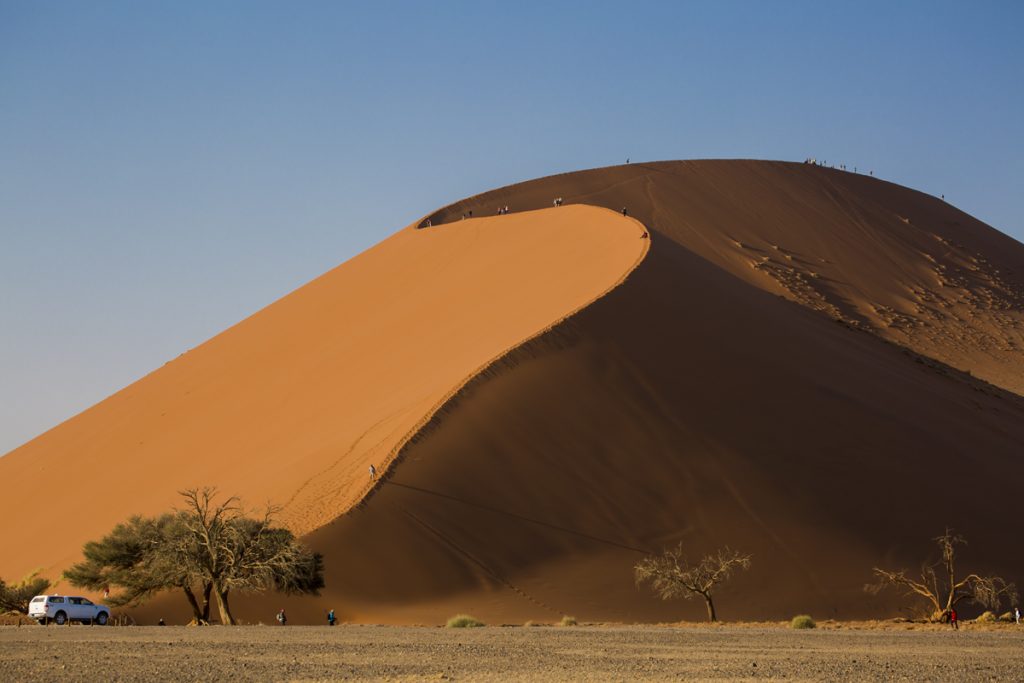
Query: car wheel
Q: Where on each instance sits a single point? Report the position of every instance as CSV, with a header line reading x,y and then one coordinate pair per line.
x,y
101,618
60,618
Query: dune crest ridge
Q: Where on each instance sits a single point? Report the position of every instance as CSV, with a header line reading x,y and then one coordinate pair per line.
x,y
293,404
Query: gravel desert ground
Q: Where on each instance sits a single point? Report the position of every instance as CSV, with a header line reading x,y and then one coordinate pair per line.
x,y
491,654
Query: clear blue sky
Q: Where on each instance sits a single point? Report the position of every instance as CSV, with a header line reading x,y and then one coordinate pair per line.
x,y
167,169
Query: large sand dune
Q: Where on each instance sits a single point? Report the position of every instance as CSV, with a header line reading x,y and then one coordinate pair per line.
x,y
294,404
819,368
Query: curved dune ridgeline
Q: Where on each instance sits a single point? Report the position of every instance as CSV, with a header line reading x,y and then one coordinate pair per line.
x,y
791,371
293,404
816,367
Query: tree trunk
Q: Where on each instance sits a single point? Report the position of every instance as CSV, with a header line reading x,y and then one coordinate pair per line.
x,y
223,608
711,607
206,602
196,614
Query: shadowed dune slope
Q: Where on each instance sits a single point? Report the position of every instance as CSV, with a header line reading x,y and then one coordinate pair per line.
x,y
293,404
791,371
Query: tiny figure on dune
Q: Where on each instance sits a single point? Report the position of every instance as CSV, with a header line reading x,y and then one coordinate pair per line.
x,y
428,223
627,160
943,197
373,472
506,209
282,618
330,618
161,622
644,236
470,214
624,212
952,619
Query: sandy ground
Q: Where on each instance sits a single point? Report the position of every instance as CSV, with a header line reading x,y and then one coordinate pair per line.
x,y
495,653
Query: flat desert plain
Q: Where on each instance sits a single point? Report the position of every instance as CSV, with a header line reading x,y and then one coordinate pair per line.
x,y
307,653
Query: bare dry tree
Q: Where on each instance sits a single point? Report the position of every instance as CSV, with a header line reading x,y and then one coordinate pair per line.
x,y
227,550
938,583
671,576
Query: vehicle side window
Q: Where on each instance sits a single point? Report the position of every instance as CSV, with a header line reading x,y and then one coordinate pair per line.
x,y
85,601
56,600
39,598
75,601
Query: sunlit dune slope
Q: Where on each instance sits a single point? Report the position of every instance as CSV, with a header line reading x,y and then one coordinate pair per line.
x,y
294,404
792,371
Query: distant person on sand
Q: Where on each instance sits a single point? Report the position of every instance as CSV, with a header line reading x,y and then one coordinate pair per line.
x,y
624,212
506,209
644,236
1016,614
952,619
627,160
373,472
282,618
330,618
161,622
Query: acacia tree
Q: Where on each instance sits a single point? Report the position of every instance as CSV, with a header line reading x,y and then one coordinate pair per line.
x,y
229,551
671,576
204,549
939,585
15,597
137,559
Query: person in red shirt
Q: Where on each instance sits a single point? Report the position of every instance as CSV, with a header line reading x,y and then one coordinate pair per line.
x,y
952,619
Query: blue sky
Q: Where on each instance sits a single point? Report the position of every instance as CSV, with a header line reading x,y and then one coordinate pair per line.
x,y
167,169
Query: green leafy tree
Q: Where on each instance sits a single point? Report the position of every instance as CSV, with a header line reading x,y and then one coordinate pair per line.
x,y
15,597
207,549
136,560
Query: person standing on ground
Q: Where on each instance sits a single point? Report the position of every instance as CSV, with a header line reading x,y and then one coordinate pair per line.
x,y
282,618
624,212
952,619
373,472
1016,615
330,618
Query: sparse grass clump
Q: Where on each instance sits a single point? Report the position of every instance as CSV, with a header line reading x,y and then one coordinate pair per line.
x,y
568,621
986,617
463,621
802,621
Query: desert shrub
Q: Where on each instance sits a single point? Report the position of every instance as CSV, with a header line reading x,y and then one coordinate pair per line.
x,y
802,621
463,621
986,617
1006,616
568,621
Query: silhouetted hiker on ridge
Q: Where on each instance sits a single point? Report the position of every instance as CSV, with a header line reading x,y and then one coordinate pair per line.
x,y
624,213
373,472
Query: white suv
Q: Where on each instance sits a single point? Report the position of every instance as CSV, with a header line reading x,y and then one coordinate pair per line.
x,y
63,608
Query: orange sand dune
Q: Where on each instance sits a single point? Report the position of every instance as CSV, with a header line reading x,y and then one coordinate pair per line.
x,y
764,379
819,368
293,404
